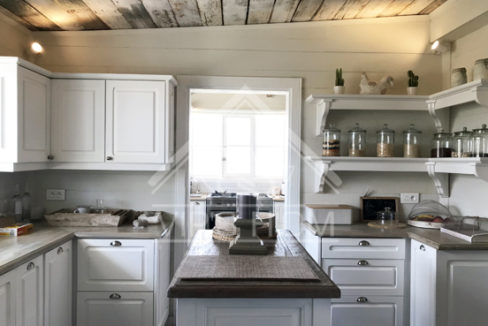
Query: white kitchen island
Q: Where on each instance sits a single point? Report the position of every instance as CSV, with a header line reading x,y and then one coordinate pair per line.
x,y
247,299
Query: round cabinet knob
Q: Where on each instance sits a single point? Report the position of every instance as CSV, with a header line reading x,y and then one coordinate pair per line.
x,y
30,266
363,262
110,158
115,296
50,157
364,243
60,250
422,247
362,300
116,243
197,203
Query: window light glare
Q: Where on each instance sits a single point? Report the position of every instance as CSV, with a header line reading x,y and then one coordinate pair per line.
x,y
37,48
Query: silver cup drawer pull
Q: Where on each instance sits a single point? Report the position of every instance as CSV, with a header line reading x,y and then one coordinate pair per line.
x,y
60,250
363,262
364,243
422,247
115,296
116,243
30,266
362,300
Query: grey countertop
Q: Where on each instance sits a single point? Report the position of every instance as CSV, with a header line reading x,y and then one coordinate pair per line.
x,y
15,251
285,246
430,237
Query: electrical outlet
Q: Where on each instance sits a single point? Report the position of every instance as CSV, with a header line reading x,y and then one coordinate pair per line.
x,y
55,194
409,198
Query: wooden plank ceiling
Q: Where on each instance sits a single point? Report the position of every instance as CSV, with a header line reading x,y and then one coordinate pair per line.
x,y
54,15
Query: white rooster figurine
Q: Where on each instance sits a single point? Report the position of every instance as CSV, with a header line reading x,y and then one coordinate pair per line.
x,y
371,87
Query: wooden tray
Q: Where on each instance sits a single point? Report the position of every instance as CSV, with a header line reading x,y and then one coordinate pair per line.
x,y
113,217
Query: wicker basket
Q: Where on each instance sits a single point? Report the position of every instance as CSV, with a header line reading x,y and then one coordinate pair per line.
x,y
111,217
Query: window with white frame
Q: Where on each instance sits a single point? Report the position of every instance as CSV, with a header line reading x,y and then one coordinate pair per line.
x,y
237,145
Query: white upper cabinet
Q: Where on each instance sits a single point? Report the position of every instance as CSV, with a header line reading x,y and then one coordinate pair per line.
x,y
136,115
24,116
78,120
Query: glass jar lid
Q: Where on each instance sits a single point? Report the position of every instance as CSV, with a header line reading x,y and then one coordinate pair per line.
x,y
442,134
464,132
385,130
482,130
412,130
332,128
357,128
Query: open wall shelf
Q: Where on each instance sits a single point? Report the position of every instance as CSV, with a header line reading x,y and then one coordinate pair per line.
x,y
473,92
437,168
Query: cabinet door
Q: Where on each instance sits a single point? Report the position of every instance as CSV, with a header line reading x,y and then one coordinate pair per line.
x,y
111,308
423,284
462,277
34,105
30,297
197,217
115,265
367,311
7,299
136,121
279,212
58,295
78,120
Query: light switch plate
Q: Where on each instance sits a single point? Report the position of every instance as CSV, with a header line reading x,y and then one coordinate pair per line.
x,y
409,198
55,194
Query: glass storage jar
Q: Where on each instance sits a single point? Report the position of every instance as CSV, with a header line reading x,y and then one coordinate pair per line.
x,y
441,145
480,141
385,142
411,142
357,141
332,142
462,143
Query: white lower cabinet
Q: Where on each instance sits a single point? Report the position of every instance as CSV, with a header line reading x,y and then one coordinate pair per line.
x,y
197,216
58,289
367,311
123,282
30,295
371,276
7,298
115,308
448,288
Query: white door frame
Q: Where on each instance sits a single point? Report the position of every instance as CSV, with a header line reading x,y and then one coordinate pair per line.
x,y
293,86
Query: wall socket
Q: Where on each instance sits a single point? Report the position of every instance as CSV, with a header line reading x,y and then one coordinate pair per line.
x,y
409,198
55,194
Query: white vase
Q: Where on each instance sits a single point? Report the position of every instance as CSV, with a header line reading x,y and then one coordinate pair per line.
x,y
412,90
338,89
480,70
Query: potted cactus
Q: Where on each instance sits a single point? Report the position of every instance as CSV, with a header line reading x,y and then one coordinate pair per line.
x,y
339,82
413,83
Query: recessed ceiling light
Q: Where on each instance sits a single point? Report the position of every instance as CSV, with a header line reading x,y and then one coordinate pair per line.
x,y
37,48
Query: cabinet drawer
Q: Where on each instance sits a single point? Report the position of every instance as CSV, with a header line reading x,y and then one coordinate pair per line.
x,y
367,248
115,308
366,277
115,265
367,311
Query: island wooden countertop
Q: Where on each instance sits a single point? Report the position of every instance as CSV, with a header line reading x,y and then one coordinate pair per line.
x,y
285,245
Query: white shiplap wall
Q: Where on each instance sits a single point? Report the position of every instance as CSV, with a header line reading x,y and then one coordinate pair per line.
x,y
311,51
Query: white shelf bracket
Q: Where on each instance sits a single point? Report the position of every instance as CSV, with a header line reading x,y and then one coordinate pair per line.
x,y
481,171
321,169
323,109
431,107
441,180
